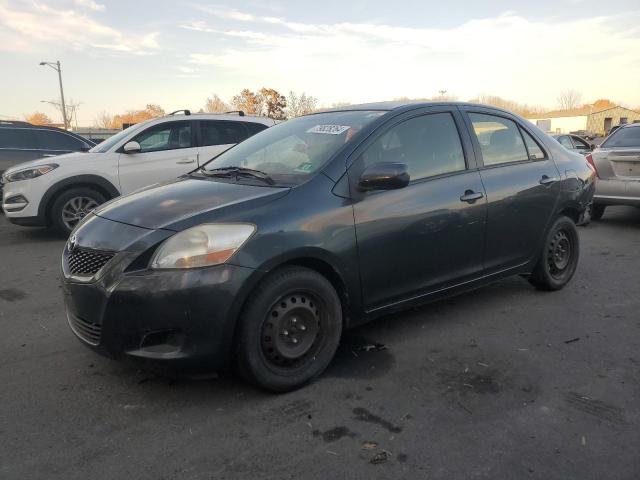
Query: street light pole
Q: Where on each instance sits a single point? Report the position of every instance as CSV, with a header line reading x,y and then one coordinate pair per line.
x,y
57,68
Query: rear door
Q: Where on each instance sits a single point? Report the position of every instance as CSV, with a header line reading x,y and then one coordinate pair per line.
x,y
168,150
522,184
429,234
217,136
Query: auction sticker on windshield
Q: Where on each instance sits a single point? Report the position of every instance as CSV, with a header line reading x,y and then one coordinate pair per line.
x,y
329,129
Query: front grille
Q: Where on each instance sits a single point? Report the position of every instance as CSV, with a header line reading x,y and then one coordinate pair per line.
x,y
85,262
87,331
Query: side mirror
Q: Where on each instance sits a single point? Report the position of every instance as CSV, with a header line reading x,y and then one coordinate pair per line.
x,y
384,176
132,147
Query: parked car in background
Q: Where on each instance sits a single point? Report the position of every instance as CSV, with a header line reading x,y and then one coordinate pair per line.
x,y
22,141
62,190
265,254
574,143
617,165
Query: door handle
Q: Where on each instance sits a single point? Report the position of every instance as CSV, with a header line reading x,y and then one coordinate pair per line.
x,y
470,196
547,180
186,161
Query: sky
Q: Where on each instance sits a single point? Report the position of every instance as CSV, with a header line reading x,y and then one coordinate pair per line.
x,y
121,55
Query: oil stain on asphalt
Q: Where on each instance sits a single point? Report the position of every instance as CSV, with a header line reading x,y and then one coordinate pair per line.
x,y
12,294
356,360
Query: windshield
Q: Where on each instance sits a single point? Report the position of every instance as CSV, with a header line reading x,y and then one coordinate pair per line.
x,y
292,151
113,140
624,137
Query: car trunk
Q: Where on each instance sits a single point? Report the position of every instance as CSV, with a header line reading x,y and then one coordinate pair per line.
x,y
620,164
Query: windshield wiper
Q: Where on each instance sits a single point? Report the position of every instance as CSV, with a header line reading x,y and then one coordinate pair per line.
x,y
238,172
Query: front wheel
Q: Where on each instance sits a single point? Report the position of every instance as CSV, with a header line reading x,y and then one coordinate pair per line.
x,y
559,257
72,206
289,330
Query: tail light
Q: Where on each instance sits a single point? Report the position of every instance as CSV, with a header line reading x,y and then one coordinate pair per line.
x,y
592,164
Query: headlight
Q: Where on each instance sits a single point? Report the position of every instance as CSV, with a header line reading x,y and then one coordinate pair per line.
x,y
202,246
29,173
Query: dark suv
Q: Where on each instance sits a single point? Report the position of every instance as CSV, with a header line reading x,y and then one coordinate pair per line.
x,y
321,223
22,141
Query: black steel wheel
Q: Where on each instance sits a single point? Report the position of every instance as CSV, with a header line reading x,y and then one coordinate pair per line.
x,y
289,329
559,258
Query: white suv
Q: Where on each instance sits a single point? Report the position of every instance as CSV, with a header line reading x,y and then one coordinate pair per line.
x,y
60,191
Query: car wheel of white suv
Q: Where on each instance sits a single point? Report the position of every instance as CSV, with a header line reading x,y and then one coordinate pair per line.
x,y
72,206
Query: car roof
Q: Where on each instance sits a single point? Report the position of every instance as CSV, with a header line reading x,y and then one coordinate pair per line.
x,y
229,116
408,105
21,124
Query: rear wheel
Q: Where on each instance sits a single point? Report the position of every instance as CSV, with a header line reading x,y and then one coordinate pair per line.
x,y
72,206
597,211
559,258
289,330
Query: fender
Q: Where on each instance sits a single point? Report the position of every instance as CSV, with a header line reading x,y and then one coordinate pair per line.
x,y
77,180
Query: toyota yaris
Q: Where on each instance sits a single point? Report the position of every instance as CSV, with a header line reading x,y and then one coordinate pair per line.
x,y
261,258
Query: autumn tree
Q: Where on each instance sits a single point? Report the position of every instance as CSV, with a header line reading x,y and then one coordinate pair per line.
x,y
300,104
215,104
569,100
602,104
249,102
274,104
38,118
137,116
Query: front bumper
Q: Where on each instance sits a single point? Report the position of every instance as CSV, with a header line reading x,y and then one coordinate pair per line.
x,y
180,320
167,320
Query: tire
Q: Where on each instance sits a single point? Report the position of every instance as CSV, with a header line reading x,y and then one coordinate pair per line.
x,y
559,257
80,199
597,211
289,330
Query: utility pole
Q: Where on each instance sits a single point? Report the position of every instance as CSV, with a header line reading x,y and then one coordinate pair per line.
x,y
57,68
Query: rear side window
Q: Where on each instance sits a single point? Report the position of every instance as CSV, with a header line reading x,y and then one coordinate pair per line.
x,y
51,140
429,145
166,136
18,138
535,152
565,142
214,132
624,137
499,138
255,127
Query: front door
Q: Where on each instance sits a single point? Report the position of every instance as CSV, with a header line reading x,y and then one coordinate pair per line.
x,y
167,151
429,233
522,184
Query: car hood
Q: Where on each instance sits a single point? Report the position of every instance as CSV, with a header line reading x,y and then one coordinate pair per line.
x,y
164,205
59,159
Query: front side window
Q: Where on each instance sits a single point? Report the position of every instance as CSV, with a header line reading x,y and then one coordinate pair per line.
x,y
18,138
51,140
429,145
292,151
499,138
166,136
255,127
624,137
580,144
213,132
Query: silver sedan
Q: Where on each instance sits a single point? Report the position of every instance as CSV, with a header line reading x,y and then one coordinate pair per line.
x,y
617,165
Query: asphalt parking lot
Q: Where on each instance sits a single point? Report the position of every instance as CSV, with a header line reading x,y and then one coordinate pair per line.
x,y
502,383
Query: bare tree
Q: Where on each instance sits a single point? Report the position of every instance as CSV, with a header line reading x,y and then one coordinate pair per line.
x,y
569,99
300,104
103,120
215,104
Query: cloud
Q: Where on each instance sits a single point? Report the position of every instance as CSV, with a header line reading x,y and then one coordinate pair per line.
x,y
34,25
509,55
91,5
